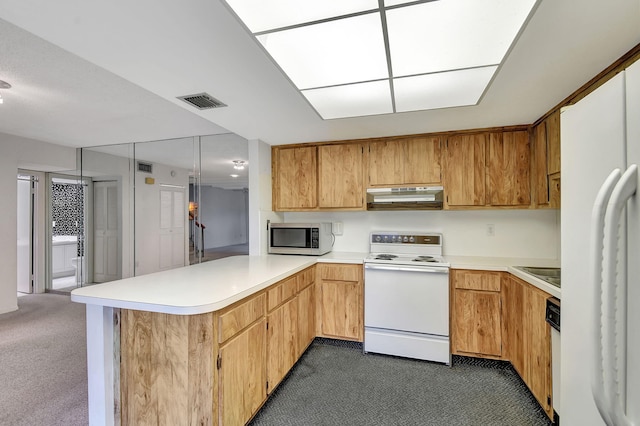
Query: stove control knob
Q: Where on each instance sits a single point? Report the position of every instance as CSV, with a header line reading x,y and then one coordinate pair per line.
x,y
411,239
386,238
378,239
405,239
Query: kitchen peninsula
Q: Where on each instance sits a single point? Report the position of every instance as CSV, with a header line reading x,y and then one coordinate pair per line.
x,y
171,326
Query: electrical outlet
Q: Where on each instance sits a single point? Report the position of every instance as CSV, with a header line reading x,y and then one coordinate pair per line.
x,y
491,230
337,228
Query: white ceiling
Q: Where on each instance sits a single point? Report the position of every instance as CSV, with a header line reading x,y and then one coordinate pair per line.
x,y
119,65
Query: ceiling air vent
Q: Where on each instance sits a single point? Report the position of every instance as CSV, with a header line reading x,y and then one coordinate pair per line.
x,y
145,167
202,101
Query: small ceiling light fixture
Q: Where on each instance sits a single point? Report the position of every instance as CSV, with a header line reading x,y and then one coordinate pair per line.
x,y
239,164
234,176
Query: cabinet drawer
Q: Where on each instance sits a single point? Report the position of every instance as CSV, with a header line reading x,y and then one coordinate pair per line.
x,y
477,280
306,278
340,272
281,292
239,317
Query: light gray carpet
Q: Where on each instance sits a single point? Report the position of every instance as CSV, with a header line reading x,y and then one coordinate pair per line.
x,y
334,384
43,363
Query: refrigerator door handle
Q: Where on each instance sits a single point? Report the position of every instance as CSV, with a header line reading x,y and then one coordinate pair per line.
x,y
608,384
602,400
614,292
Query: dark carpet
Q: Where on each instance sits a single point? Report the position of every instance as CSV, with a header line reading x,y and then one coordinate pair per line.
x,y
336,384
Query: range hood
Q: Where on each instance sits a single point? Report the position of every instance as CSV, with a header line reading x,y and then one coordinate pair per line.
x,y
407,198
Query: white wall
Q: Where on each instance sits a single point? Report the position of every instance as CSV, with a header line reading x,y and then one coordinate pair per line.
x,y
518,233
260,209
224,213
17,152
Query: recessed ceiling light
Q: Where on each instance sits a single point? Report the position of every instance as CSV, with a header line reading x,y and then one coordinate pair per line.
x,y
239,164
332,50
234,176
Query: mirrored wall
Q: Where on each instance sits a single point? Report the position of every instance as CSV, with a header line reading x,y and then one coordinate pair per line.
x,y
153,206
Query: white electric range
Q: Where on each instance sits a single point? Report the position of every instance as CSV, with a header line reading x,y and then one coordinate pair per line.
x,y
406,296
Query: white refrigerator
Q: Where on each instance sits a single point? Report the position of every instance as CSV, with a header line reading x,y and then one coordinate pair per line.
x,y
600,323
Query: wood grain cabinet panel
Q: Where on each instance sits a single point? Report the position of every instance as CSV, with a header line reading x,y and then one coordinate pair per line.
x,y
166,368
553,142
282,342
282,292
464,170
476,314
512,329
236,318
295,180
541,185
243,375
509,182
341,176
341,301
411,161
306,318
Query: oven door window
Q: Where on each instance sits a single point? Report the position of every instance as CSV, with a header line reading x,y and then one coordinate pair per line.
x,y
291,237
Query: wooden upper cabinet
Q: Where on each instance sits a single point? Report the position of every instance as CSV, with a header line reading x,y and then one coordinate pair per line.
x,y
553,142
509,182
541,182
341,176
295,178
411,161
464,170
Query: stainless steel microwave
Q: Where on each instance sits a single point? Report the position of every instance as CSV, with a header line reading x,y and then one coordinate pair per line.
x,y
300,238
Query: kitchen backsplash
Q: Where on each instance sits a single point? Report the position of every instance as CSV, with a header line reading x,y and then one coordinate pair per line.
x,y
516,233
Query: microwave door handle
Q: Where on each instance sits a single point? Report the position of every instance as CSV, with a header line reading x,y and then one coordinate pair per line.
x,y
614,291
597,249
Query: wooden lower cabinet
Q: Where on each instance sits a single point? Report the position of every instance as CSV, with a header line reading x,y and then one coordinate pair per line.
x,y
341,301
166,369
528,339
476,314
242,375
306,318
282,342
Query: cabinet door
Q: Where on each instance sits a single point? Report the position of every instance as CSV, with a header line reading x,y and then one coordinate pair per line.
x,y
282,342
295,178
537,346
541,185
465,170
509,163
341,177
553,142
306,318
422,161
341,309
386,163
477,322
242,375
512,337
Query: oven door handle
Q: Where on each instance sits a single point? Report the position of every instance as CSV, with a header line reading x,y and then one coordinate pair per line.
x,y
441,270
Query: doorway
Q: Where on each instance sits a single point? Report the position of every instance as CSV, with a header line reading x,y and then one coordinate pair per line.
x,y
106,232
26,234
67,265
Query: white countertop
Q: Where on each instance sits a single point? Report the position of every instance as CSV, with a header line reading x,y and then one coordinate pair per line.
x,y
211,286
194,289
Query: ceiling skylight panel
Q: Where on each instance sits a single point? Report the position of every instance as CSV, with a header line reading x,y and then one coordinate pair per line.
x,y
441,90
330,53
352,100
263,15
453,34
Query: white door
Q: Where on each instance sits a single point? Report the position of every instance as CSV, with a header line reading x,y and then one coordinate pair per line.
x,y
106,264
173,211
25,235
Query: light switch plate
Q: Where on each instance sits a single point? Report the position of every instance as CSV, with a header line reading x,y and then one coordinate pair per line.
x,y
337,228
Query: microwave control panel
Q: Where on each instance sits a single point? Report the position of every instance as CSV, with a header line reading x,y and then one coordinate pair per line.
x,y
315,238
